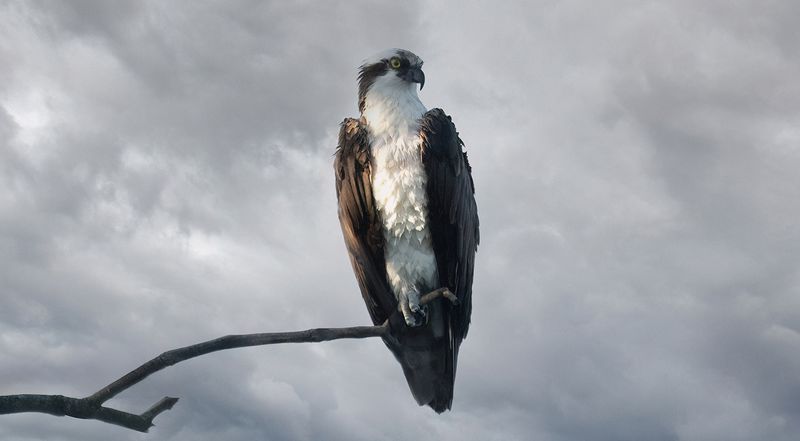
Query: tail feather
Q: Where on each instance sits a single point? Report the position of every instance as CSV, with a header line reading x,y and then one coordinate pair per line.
x,y
428,358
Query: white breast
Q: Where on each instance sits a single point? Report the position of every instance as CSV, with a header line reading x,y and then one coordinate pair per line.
x,y
392,110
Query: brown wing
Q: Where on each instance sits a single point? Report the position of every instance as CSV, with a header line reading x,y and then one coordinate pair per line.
x,y
452,215
359,219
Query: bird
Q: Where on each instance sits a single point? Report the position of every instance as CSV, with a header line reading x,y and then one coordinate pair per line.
x,y
406,206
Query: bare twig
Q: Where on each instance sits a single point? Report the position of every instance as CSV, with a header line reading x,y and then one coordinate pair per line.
x,y
436,293
230,342
60,405
91,407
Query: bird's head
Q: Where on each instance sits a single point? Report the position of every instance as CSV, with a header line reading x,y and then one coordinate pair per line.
x,y
394,69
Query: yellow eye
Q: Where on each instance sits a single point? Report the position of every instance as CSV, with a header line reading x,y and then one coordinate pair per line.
x,y
394,62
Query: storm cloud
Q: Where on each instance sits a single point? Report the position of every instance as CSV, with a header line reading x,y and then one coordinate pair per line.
x,y
166,177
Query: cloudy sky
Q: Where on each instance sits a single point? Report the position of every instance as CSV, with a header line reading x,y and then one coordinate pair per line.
x,y
165,178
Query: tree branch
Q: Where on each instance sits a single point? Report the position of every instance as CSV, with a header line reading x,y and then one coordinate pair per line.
x,y
230,342
91,407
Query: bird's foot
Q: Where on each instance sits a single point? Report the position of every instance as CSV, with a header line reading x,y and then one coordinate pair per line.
x,y
414,313
414,306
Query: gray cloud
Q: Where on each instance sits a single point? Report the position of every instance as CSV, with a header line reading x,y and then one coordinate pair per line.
x,y
165,177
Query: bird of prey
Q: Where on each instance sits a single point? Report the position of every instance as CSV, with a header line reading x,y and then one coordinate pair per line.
x,y
409,219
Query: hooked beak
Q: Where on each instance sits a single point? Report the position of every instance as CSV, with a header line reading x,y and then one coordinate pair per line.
x,y
415,75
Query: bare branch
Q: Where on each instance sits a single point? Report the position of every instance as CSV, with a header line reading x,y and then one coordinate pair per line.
x,y
436,293
60,405
230,342
91,407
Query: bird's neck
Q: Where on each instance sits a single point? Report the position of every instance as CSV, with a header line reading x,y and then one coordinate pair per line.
x,y
392,107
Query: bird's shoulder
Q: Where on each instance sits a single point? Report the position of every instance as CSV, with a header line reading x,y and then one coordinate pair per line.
x,y
352,132
441,141
353,141
439,135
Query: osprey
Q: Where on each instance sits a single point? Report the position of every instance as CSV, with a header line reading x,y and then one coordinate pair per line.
x,y
409,219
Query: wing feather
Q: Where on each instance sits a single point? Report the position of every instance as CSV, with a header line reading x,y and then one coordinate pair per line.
x,y
452,214
359,219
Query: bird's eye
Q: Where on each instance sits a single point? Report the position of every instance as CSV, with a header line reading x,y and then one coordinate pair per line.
x,y
394,62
